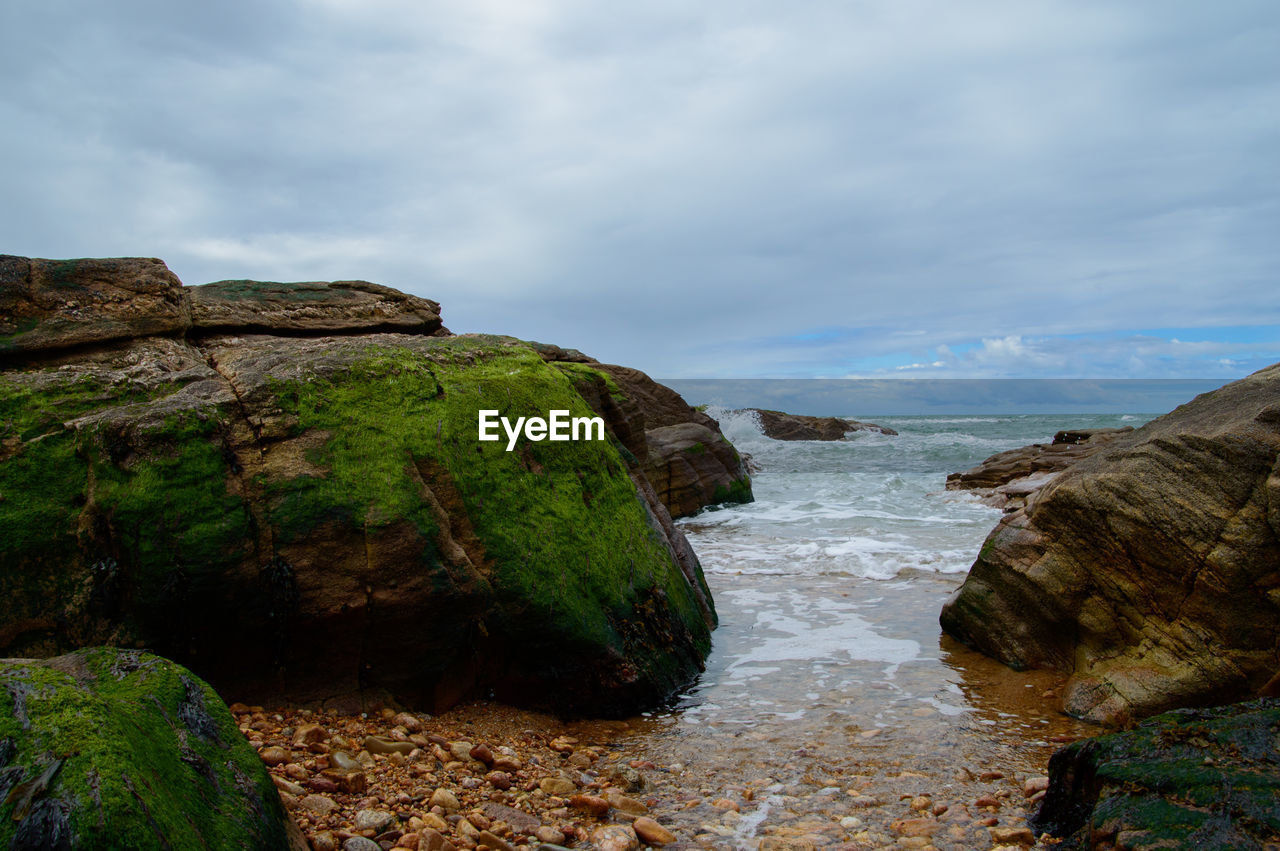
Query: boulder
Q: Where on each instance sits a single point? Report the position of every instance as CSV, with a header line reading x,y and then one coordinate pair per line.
x,y
678,449
109,748
340,307
314,518
1006,479
782,426
1150,571
56,304
1192,778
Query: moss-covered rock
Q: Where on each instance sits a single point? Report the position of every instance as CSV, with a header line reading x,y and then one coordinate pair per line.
x,y
118,749
311,518
1203,778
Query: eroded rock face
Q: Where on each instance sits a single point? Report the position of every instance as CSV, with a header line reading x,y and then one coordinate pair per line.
x,y
1006,479
1149,571
782,426
57,304
108,748
1193,778
315,518
314,308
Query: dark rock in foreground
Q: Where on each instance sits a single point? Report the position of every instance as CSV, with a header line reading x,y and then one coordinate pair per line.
x,y
1204,779
783,426
121,749
304,516
1149,571
1006,479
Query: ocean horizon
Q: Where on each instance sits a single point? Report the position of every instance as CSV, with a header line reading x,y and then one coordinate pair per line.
x,y
859,397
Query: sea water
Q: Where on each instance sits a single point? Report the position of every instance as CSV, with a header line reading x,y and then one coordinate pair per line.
x,y
832,702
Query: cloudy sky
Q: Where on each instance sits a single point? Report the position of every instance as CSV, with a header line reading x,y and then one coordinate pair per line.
x,y
1000,188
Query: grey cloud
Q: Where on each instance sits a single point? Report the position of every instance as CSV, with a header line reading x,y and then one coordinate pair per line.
x,y
670,185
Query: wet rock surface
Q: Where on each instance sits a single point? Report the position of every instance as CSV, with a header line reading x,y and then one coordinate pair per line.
x,y
1150,571
783,426
1007,479
1193,778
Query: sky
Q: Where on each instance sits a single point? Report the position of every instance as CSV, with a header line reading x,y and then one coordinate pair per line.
x,y
746,189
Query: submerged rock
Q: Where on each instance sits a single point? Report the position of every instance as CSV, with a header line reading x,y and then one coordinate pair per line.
x,y
783,426
1149,571
111,748
313,517
1202,778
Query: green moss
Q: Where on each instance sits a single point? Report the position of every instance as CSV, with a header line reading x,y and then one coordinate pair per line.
x,y
19,328
44,485
565,536
244,290
151,756
171,508
697,449
583,371
738,491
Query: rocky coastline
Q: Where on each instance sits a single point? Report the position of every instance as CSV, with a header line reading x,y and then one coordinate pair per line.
x,y
279,487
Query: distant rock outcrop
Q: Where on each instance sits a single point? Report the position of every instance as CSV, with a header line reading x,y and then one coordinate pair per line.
x,y
1149,571
282,486
1193,778
108,748
782,426
1006,479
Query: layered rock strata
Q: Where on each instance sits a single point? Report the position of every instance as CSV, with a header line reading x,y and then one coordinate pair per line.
x,y
1149,571
294,502
1006,479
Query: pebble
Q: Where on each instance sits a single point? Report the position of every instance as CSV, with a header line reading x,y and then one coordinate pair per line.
x,y
558,786
309,734
652,833
375,820
319,804
274,755
1012,836
548,834
615,837
1034,785
445,799
490,840
592,804
360,843
385,745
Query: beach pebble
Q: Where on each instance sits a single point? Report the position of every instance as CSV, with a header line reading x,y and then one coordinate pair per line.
x,y
615,837
1012,836
1034,785
558,786
274,755
319,804
360,843
446,800
375,820
652,833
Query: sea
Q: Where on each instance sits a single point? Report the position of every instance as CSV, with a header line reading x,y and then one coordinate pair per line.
x,y
833,710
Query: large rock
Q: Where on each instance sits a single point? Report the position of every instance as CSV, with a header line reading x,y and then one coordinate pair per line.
x,y
55,304
783,426
1006,479
314,517
1203,778
312,308
679,449
1150,571
121,749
